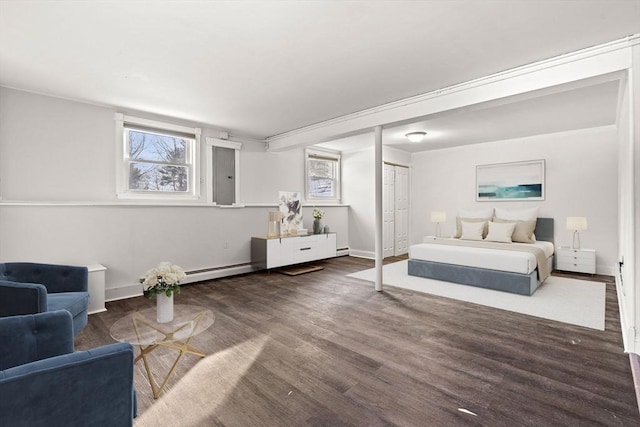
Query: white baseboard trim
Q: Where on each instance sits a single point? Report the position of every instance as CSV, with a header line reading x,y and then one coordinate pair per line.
x,y
634,359
606,270
628,331
135,290
123,292
362,254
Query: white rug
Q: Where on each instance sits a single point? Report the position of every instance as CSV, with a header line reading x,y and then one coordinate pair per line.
x,y
573,301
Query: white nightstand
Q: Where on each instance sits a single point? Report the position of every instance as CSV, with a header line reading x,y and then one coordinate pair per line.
x,y
578,260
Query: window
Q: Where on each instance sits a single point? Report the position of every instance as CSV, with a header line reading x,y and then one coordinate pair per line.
x,y
323,175
157,160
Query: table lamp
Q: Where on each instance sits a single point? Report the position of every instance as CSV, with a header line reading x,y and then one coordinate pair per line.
x,y
438,217
576,223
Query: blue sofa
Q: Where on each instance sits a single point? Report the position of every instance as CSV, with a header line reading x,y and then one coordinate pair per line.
x,y
43,382
29,288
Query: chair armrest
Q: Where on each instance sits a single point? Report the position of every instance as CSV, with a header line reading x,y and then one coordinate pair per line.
x,y
93,387
34,337
56,278
22,298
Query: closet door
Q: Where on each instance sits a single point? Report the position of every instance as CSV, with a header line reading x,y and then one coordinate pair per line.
x,y
401,243
388,210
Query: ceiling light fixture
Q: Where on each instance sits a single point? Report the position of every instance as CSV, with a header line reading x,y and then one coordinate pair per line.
x,y
415,136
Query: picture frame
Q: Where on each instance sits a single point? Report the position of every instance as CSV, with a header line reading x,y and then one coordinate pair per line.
x,y
290,207
521,181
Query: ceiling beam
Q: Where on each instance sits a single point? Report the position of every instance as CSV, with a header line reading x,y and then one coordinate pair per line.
x,y
587,63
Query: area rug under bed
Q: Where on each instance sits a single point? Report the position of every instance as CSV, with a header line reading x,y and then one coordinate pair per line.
x,y
573,301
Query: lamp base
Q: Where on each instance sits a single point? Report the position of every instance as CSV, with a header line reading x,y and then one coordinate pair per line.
x,y
576,240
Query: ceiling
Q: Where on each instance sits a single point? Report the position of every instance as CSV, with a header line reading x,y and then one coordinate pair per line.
x,y
262,68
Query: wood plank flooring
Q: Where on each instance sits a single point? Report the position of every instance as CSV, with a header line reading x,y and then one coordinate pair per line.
x,y
322,349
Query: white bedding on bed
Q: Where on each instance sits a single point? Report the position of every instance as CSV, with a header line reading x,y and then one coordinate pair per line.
x,y
493,259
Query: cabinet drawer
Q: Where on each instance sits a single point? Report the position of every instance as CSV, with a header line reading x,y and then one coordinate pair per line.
x,y
577,267
307,249
576,256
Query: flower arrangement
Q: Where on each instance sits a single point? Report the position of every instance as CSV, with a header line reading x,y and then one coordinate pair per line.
x,y
163,279
318,214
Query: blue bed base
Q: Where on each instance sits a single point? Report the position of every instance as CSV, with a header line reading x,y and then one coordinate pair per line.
x,y
523,284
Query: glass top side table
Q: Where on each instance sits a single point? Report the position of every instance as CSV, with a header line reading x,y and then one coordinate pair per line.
x,y
140,328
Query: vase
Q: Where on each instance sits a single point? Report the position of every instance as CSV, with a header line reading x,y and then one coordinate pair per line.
x,y
317,226
164,308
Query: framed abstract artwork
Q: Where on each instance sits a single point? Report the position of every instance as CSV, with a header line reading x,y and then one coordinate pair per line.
x,y
510,181
290,207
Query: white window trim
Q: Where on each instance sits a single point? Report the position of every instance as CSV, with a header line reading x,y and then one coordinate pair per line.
x,y
236,146
329,154
122,172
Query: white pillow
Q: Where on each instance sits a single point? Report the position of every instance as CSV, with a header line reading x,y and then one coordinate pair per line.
x,y
500,232
477,213
472,230
517,214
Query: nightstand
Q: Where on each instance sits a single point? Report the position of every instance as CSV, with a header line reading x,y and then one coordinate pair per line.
x,y
577,260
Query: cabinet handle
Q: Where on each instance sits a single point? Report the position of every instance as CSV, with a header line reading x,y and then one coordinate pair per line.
x,y
305,249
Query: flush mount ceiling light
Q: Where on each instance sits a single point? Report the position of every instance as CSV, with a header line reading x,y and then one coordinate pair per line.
x,y
415,136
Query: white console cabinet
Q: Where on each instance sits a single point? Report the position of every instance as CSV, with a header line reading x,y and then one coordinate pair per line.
x,y
276,252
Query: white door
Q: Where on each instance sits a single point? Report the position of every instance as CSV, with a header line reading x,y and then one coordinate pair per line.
x,y
388,210
401,210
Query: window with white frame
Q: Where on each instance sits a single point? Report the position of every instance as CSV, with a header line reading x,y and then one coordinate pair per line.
x,y
322,175
157,160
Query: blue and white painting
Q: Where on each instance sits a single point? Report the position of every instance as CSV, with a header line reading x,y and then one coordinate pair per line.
x,y
510,181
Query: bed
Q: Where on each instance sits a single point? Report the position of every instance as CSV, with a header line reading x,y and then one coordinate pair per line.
x,y
507,270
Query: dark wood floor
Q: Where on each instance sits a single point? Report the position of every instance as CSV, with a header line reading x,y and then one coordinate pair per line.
x,y
337,353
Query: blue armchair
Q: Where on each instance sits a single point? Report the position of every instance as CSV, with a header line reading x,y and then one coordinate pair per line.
x,y
43,382
30,288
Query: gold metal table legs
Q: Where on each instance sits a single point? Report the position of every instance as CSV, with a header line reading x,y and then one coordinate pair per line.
x,y
170,342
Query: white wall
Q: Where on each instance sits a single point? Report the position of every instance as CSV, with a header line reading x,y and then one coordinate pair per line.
x,y
264,174
627,242
358,191
52,149
581,180
57,183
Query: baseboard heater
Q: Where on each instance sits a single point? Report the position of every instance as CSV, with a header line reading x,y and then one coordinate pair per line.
x,y
342,251
218,272
193,276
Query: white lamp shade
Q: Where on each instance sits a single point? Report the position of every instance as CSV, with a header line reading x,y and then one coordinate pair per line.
x,y
438,216
578,223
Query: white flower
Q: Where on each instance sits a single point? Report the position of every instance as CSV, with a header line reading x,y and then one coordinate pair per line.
x,y
151,279
170,278
166,277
